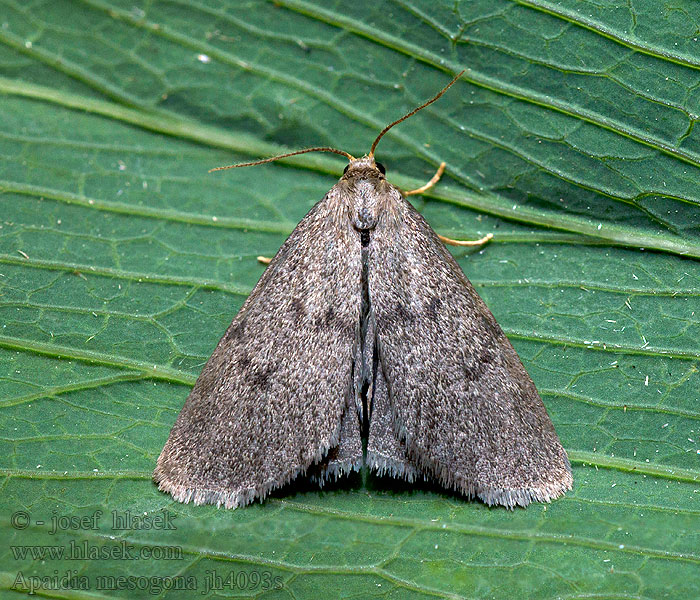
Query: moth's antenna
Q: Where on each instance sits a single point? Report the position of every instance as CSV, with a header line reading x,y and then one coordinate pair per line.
x,y
267,160
413,112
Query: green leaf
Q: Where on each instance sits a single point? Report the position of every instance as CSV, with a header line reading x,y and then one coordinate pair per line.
x,y
571,137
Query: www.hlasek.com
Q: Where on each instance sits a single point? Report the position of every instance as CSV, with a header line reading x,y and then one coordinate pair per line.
x,y
84,550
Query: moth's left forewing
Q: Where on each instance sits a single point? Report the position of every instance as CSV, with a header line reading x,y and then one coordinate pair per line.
x,y
275,400
462,403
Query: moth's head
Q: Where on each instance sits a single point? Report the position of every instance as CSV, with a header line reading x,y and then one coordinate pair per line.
x,y
364,168
365,191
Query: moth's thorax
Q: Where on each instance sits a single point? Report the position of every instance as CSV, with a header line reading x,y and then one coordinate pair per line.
x,y
367,192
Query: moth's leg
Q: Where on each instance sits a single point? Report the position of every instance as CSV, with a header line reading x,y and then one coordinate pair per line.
x,y
264,260
434,179
478,242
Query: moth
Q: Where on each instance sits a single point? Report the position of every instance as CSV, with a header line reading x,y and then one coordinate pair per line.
x,y
363,331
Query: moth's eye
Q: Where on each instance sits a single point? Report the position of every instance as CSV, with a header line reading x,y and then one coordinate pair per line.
x,y
345,170
381,168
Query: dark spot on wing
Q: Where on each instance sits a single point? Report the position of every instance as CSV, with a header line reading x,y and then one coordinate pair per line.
x,y
396,315
298,309
331,321
478,364
402,313
473,371
324,321
433,307
487,357
260,377
243,361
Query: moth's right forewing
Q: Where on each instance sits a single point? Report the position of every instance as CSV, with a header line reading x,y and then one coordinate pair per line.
x,y
462,403
270,401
